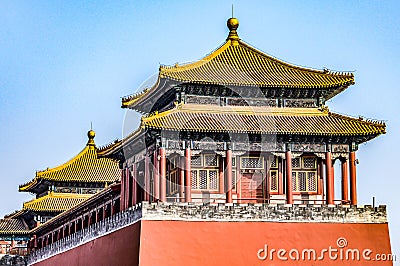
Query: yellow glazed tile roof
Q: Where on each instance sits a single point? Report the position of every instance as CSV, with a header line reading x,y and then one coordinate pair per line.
x,y
246,66
13,226
304,121
236,63
85,167
55,202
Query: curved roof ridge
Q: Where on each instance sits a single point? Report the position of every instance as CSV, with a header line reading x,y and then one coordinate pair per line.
x,y
292,65
66,164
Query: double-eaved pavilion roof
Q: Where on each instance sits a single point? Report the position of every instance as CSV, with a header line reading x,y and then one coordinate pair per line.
x,y
235,63
261,120
85,167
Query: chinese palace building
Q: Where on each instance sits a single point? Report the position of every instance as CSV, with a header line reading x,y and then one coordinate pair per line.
x,y
233,164
59,189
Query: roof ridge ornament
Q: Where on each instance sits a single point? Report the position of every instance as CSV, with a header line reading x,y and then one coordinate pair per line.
x,y
91,134
233,24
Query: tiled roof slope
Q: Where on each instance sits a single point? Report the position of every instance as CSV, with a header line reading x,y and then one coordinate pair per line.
x,y
85,167
55,202
12,226
236,63
303,121
246,66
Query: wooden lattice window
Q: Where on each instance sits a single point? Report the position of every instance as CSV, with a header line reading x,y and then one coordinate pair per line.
x,y
273,181
296,163
173,183
196,160
210,160
304,177
205,179
252,163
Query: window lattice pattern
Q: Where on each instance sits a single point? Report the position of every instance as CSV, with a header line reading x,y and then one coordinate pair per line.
x,y
194,179
312,181
274,163
203,179
234,180
296,162
213,179
252,163
196,161
273,181
233,161
211,160
302,181
173,184
294,181
309,162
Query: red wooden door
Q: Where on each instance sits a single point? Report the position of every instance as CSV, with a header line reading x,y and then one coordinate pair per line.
x,y
252,188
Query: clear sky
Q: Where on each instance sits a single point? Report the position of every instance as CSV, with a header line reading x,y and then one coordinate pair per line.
x,y
65,64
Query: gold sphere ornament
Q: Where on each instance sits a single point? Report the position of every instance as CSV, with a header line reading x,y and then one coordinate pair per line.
x,y
232,23
91,134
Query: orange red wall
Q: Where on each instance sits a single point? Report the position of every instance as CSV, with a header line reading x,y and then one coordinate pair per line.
x,y
231,243
118,248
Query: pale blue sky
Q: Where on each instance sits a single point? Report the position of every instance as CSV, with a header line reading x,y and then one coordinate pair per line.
x,y
64,64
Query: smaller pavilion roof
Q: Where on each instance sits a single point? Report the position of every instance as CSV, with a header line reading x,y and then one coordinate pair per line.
x,y
13,227
84,167
55,202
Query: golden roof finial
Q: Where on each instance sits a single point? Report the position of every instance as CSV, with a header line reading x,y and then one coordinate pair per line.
x,y
233,24
91,134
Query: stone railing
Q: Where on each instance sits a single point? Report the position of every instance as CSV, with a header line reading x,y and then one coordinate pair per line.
x,y
99,229
265,212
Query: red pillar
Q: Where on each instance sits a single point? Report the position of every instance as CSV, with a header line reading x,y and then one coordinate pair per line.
x,y
353,181
280,176
345,180
133,190
156,176
188,175
122,197
128,188
289,189
181,173
330,182
146,186
163,179
221,174
228,176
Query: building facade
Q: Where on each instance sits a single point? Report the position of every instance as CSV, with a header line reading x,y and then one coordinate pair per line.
x,y
233,164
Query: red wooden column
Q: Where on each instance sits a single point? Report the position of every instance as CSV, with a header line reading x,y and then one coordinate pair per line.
x,y
128,187
228,157
353,181
163,177
221,174
146,186
289,189
188,174
280,176
330,182
122,197
134,184
181,172
345,180
156,176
